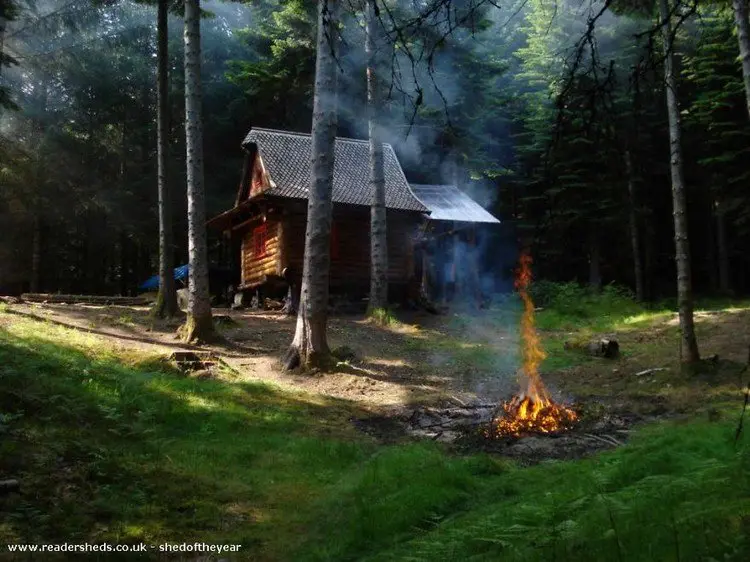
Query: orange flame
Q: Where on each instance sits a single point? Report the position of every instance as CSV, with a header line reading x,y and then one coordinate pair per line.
x,y
533,410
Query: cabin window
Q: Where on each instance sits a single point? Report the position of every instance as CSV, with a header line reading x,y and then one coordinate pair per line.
x,y
334,241
260,239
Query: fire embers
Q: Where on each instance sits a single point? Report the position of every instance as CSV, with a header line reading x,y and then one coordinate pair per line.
x,y
532,411
523,415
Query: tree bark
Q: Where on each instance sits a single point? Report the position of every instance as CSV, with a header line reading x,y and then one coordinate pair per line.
x,y
199,324
595,271
166,300
124,275
743,38
310,346
711,252
689,348
378,226
725,286
634,232
36,255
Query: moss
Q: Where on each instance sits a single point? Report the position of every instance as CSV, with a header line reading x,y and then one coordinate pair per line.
x,y
198,330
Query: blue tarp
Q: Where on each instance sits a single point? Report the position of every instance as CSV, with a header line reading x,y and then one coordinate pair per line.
x,y
180,273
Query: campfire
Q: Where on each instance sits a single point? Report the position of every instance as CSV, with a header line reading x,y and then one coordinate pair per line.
x,y
533,410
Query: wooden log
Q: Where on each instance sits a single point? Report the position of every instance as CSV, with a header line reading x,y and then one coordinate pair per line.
x,y
85,299
607,348
8,486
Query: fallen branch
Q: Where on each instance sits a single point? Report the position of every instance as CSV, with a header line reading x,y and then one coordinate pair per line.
x,y
649,371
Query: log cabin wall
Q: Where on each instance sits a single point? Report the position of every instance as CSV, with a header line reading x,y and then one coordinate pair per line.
x,y
350,245
260,257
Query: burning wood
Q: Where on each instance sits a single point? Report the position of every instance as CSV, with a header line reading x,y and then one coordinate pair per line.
x,y
533,410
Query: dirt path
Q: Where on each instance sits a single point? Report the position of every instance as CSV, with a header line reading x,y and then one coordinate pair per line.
x,y
426,359
393,367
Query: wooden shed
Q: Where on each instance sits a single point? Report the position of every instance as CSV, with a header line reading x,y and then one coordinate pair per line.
x,y
266,226
449,254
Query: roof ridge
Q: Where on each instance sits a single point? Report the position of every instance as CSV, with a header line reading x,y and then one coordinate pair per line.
x,y
309,135
434,185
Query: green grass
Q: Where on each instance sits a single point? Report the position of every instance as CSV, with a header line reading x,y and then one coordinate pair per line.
x,y
123,449
674,489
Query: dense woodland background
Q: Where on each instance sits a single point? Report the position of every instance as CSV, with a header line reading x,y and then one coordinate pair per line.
x,y
535,118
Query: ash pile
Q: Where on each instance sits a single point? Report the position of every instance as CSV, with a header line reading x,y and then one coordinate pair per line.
x,y
465,428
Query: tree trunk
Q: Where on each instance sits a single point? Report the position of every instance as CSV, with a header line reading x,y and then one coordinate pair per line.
x,y
725,286
36,255
689,348
199,324
743,38
166,300
711,259
595,272
634,233
310,346
378,229
124,276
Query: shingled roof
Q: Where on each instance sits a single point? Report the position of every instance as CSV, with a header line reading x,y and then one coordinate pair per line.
x,y
286,157
448,203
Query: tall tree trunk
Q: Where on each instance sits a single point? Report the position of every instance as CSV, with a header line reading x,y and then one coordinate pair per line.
x,y
3,25
36,254
689,347
711,224
743,38
310,346
595,271
634,232
166,300
725,285
378,227
124,276
648,258
199,324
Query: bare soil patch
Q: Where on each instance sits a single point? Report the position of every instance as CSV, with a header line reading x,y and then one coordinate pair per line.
x,y
446,361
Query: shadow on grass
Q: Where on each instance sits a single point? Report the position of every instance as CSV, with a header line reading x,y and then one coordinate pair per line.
x,y
107,452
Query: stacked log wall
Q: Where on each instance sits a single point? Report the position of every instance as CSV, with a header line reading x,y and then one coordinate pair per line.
x,y
350,265
255,269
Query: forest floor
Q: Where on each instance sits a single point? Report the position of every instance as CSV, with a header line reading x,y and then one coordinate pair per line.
x,y
112,443
453,359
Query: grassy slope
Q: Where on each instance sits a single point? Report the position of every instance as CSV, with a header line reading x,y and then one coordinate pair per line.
x,y
111,449
108,448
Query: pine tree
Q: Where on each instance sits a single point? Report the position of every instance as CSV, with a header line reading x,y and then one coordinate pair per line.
x,y
166,300
199,324
689,346
378,226
310,345
743,39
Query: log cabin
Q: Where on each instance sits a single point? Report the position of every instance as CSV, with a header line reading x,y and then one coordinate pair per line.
x,y
266,226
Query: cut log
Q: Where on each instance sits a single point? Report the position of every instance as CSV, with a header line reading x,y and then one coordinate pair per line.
x,y
84,299
8,486
607,348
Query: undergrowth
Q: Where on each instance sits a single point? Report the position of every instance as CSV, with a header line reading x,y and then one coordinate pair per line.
x,y
675,493
383,317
